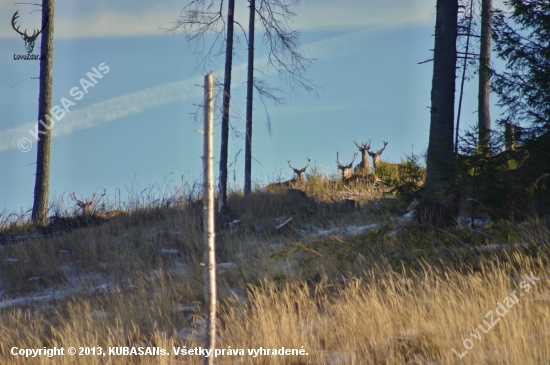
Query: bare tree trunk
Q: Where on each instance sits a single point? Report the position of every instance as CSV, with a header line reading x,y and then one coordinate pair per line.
x,y
440,159
484,118
249,99
465,65
42,180
226,102
208,218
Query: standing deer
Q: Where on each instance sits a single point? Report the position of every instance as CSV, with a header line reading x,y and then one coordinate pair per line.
x,y
376,156
89,208
298,178
354,179
363,168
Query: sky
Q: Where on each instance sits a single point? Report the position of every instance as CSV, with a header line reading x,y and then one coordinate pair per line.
x,y
134,127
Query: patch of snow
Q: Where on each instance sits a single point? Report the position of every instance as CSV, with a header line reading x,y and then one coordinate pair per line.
x,y
102,289
223,267
347,231
407,218
67,269
35,280
179,269
479,223
66,253
284,223
170,251
187,309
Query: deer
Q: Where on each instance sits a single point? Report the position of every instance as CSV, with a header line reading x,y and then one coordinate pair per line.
x,y
89,208
353,179
363,168
376,156
298,178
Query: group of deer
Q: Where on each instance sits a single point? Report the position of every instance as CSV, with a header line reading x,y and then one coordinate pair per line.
x,y
361,173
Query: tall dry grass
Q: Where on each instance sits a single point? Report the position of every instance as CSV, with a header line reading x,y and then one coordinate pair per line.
x,y
389,295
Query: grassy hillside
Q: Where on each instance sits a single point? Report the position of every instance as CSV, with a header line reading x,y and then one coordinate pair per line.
x,y
348,285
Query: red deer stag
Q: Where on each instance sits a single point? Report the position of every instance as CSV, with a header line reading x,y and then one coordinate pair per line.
x,y
376,156
299,178
89,208
354,179
363,168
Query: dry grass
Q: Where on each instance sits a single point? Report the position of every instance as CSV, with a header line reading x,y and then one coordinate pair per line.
x,y
387,295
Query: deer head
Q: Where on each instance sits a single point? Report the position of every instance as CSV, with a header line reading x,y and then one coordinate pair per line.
x,y
299,172
29,40
376,155
364,165
346,169
85,206
363,147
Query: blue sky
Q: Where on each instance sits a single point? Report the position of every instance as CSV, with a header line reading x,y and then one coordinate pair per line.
x,y
136,125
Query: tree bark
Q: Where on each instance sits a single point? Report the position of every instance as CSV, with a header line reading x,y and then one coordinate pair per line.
x,y
440,159
249,99
484,118
225,110
42,179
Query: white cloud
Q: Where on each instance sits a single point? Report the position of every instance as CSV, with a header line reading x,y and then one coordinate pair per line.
x,y
333,15
117,18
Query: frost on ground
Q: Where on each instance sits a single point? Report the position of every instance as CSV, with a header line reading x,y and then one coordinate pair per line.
x,y
79,283
346,231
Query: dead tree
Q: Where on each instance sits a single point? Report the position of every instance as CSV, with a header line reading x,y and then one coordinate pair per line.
x,y
440,167
284,56
210,298
198,19
249,99
225,110
484,117
45,123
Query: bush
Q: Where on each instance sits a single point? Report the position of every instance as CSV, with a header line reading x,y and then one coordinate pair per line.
x,y
408,177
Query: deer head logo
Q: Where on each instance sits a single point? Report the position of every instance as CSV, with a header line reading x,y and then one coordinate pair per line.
x,y
29,40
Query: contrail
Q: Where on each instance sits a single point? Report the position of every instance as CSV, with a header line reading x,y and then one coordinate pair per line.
x,y
109,110
137,102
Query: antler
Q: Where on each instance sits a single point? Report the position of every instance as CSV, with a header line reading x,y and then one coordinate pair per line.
x,y
363,145
345,166
302,169
25,35
73,195
15,16
289,161
380,150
